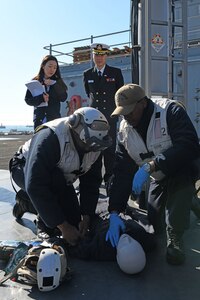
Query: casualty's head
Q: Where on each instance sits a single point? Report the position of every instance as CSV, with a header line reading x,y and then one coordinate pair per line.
x,y
130,102
130,256
100,52
90,129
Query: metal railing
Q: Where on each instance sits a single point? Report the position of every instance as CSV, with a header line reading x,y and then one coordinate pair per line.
x,y
67,50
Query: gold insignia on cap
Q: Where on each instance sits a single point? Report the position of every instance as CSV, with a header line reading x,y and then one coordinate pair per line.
x,y
99,47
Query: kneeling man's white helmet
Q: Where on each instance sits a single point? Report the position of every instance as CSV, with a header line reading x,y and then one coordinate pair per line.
x,y
92,127
131,257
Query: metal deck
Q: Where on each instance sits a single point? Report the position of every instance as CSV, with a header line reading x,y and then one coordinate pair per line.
x,y
104,280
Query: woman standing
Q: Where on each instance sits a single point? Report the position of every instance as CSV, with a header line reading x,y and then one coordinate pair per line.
x,y
47,104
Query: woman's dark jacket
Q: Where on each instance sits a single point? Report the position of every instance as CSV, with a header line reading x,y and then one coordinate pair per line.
x,y
57,93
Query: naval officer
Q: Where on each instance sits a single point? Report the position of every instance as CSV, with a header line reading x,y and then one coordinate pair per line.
x,y
101,83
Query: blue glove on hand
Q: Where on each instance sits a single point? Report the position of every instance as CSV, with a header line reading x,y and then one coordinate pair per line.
x,y
141,176
116,226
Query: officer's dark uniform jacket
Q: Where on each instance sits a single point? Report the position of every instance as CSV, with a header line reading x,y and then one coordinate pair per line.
x,y
166,134
50,148
102,91
57,93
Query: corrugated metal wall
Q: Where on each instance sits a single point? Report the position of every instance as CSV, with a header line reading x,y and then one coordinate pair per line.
x,y
72,74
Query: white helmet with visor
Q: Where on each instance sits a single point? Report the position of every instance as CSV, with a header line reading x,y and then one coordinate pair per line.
x,y
92,127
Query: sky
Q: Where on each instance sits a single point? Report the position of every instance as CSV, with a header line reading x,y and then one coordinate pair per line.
x,y
26,26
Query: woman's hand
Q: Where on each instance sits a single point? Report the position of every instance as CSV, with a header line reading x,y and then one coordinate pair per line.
x,y
46,97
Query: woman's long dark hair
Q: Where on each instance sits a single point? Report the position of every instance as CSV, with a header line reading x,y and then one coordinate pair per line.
x,y
40,75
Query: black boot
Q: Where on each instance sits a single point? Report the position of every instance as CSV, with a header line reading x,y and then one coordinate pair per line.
x,y
196,206
44,232
22,205
175,254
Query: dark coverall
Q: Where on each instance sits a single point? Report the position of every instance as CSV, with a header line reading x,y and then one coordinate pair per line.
x,y
55,201
172,195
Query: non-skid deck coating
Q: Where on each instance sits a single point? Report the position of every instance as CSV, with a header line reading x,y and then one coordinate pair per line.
x,y
99,280
104,280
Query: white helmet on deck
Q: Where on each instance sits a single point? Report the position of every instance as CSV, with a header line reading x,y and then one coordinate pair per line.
x,y
51,268
92,128
130,255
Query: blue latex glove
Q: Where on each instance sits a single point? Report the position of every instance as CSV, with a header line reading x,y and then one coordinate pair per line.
x,y
141,176
115,228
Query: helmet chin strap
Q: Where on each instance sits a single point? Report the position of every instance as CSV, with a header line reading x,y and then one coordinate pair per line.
x,y
99,145
79,144
95,144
